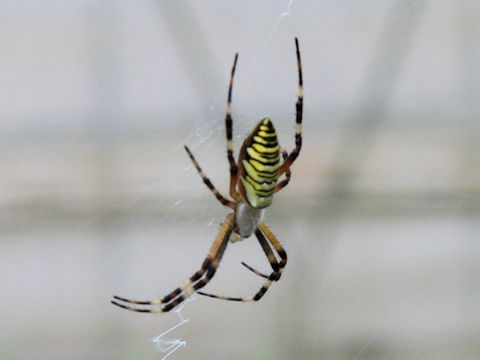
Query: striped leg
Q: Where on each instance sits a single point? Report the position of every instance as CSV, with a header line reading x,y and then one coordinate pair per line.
x,y
288,175
229,131
194,283
275,243
299,115
276,266
276,274
209,184
255,271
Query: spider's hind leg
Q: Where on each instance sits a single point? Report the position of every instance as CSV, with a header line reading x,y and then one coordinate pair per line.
x,y
298,116
229,133
207,181
288,174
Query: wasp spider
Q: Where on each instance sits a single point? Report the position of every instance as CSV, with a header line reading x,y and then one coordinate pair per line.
x,y
253,182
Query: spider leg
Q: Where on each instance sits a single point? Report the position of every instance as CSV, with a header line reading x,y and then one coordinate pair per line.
x,y
197,281
298,118
229,130
255,271
207,182
272,239
278,248
270,256
264,236
288,175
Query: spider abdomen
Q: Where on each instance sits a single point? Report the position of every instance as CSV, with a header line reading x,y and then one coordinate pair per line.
x,y
259,165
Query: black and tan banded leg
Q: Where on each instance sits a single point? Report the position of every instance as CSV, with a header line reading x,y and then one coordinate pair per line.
x,y
207,182
194,283
298,118
262,234
288,175
275,276
229,133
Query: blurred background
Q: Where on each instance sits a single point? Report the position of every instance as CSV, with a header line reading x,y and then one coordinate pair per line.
x,y
97,196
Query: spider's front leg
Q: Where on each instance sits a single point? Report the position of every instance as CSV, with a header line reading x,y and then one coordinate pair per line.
x,y
277,267
194,283
264,236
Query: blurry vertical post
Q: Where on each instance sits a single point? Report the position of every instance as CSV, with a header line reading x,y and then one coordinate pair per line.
x,y
170,346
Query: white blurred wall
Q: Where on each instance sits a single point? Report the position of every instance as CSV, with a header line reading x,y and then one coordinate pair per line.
x,y
98,198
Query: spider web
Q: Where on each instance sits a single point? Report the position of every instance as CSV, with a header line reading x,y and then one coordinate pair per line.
x,y
169,346
205,141
102,96
202,135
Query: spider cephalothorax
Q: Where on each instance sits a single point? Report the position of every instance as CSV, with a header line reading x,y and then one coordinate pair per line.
x,y
253,182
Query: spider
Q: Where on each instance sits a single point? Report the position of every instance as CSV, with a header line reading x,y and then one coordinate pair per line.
x,y
253,182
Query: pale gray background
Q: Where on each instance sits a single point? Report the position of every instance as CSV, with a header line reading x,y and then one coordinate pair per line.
x,y
97,197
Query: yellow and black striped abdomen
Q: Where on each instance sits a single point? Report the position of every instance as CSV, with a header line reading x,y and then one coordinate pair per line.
x,y
261,163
